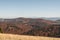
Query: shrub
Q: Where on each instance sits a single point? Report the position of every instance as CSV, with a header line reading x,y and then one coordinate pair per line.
x,y
1,30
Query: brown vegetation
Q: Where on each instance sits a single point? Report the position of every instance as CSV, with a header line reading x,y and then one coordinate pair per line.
x,y
29,26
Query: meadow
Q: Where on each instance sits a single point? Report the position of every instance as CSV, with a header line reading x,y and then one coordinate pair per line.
x,y
24,37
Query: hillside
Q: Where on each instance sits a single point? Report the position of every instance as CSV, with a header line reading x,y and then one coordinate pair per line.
x,y
24,37
30,26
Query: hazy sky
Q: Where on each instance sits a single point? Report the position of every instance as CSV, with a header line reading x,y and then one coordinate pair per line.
x,y
29,8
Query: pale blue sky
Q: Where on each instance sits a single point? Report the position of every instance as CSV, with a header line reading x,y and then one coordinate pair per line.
x,y
29,8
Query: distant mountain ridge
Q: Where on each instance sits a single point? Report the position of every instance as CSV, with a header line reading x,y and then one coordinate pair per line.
x,y
52,18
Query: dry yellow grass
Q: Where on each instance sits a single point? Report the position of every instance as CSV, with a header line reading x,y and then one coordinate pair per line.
x,y
22,37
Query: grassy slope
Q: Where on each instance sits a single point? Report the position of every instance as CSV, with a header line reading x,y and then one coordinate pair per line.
x,y
22,37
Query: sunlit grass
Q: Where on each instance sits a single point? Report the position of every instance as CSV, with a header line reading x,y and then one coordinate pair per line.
x,y
23,37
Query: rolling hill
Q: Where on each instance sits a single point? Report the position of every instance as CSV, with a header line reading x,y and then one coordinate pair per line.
x,y
30,26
